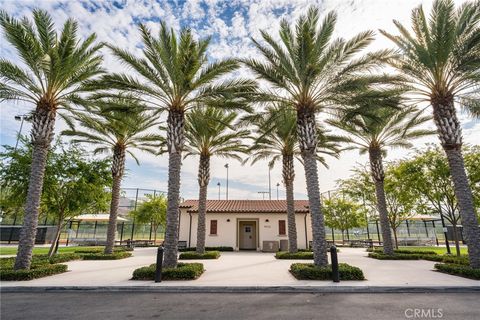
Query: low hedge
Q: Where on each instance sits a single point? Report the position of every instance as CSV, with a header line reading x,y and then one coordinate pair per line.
x,y
404,251
458,270
101,250
462,260
40,259
192,255
207,249
116,255
309,271
395,256
35,271
183,271
301,255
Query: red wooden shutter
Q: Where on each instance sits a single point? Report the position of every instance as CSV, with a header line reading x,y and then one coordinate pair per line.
x,y
281,227
213,226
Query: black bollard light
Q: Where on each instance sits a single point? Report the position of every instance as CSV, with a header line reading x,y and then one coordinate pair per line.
x,y
334,258
158,269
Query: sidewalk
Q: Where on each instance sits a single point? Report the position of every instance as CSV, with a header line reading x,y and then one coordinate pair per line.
x,y
250,269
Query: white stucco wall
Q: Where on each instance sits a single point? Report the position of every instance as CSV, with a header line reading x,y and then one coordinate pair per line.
x,y
227,230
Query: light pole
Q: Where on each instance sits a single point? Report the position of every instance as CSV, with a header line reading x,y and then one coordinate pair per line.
x,y
20,117
278,185
218,184
269,184
226,166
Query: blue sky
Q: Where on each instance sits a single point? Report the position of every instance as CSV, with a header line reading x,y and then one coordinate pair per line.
x,y
230,24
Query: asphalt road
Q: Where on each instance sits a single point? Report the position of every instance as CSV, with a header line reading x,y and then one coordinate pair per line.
x,y
192,306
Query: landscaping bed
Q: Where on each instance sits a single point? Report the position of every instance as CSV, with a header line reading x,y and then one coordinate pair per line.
x,y
207,249
300,255
308,271
183,271
41,267
458,270
192,255
116,255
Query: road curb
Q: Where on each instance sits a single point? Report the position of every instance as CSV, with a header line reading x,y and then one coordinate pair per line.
x,y
245,289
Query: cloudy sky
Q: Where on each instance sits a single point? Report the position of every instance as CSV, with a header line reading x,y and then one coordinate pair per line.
x,y
231,24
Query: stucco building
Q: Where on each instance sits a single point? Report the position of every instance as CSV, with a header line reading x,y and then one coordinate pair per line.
x,y
245,224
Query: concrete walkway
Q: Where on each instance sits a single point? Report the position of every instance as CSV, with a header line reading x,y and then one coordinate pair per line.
x,y
250,269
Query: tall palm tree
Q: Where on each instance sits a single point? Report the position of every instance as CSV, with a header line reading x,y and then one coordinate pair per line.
x,y
388,128
117,127
175,75
276,139
210,132
441,61
56,65
312,72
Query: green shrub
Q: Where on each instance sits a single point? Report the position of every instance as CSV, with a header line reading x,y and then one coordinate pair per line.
x,y
101,250
191,255
207,249
116,255
303,255
309,271
404,251
64,257
183,271
395,256
458,270
462,260
36,271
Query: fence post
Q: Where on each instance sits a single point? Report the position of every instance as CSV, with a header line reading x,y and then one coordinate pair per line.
x,y
378,231
334,258
121,232
158,268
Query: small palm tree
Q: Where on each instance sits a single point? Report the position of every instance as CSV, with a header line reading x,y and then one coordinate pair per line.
x,y
175,75
56,66
310,71
385,128
209,132
276,139
117,127
440,61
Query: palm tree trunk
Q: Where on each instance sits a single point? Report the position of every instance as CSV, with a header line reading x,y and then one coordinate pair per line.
x,y
307,137
42,135
288,178
175,141
203,179
450,134
376,166
118,168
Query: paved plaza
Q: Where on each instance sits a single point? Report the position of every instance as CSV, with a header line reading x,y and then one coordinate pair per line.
x,y
247,268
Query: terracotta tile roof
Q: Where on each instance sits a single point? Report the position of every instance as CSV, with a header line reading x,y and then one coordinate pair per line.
x,y
246,206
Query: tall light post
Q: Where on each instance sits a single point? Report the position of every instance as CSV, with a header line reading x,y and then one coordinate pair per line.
x,y
218,184
278,185
226,166
269,184
20,117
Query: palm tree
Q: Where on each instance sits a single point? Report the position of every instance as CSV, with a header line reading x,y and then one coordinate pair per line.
x,y
56,66
175,75
388,128
310,71
276,140
440,61
117,127
210,132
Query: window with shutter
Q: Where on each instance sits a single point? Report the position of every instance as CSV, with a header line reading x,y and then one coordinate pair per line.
x,y
281,227
213,226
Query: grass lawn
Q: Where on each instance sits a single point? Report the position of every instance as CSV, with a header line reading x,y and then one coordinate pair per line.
x,y
42,250
438,250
